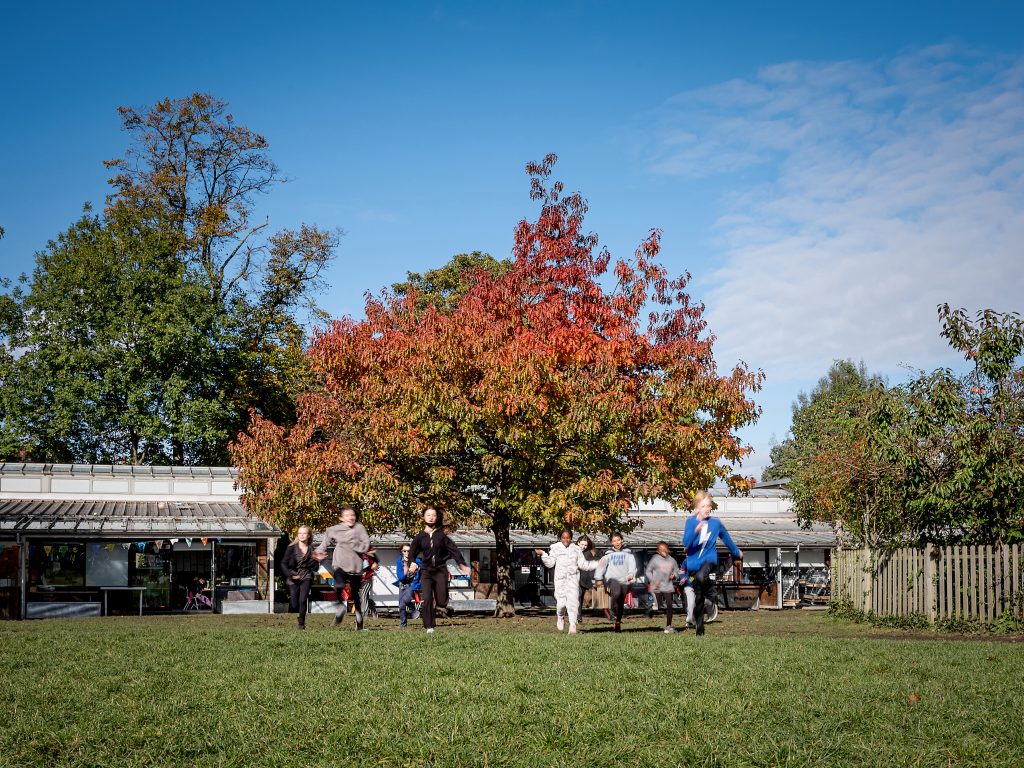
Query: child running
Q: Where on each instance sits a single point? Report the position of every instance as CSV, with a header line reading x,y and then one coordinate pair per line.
x,y
350,542
568,560
434,549
617,568
700,536
661,573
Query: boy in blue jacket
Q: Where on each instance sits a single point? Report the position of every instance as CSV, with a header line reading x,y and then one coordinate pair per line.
x,y
700,535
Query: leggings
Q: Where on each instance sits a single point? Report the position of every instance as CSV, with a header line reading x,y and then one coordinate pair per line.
x,y
665,604
353,582
298,597
617,591
434,588
703,588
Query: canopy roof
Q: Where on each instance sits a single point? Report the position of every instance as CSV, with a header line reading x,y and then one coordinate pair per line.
x,y
130,519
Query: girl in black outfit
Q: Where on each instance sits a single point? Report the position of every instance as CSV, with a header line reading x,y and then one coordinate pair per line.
x,y
434,549
298,566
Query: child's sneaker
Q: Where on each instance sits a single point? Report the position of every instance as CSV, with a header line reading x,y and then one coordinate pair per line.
x,y
670,630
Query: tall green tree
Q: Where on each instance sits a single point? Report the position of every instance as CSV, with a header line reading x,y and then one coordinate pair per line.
x,y
111,352
541,399
147,333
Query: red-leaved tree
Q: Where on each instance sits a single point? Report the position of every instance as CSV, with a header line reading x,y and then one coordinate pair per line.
x,y
541,400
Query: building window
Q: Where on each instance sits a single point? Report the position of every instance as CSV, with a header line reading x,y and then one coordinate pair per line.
x,y
56,564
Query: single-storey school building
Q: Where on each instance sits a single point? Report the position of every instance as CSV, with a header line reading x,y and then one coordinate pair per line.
x,y
94,540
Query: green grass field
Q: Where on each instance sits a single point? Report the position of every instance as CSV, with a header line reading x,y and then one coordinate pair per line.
x,y
764,688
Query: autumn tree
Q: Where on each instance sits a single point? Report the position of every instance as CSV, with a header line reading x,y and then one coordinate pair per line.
x,y
147,333
542,398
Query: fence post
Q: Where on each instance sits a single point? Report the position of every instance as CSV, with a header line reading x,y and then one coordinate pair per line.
x,y
930,556
867,578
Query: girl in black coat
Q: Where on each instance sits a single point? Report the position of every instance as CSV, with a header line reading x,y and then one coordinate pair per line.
x,y
298,566
434,549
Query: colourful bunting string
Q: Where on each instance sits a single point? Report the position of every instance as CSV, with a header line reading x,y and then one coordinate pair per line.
x,y
188,541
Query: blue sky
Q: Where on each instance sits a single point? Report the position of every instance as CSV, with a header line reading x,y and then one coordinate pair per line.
x,y
827,172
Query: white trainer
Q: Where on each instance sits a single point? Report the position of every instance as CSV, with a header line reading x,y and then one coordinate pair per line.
x,y
430,631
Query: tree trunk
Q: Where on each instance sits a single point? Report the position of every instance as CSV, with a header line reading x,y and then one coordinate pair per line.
x,y
504,607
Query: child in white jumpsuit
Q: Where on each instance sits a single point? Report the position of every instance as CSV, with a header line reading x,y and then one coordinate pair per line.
x,y
568,560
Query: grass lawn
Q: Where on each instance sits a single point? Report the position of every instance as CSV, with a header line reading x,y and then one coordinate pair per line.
x,y
763,688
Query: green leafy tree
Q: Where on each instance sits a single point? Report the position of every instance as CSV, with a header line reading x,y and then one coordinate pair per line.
x,y
836,473
148,333
959,440
540,399
111,352
445,286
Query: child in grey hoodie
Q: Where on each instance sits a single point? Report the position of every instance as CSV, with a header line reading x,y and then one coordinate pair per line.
x,y
618,570
661,573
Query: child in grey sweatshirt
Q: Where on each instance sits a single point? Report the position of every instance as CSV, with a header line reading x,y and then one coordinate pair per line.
x,y
618,570
661,573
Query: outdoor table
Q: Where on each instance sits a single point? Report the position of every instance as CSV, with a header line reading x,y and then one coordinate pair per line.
x,y
106,590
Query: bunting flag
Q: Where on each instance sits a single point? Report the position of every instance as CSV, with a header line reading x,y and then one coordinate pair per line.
x,y
173,542
125,545
47,549
141,545
204,540
109,547
63,549
218,539
188,541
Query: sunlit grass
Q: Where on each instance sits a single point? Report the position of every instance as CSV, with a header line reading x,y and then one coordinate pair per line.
x,y
761,689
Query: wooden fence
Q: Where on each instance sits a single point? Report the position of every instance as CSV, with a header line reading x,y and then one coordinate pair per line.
x,y
978,583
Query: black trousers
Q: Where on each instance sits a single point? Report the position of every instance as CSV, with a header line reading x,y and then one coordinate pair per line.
x,y
353,581
434,590
665,604
617,591
703,589
298,597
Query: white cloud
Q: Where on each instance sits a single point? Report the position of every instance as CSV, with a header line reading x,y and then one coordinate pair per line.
x,y
882,189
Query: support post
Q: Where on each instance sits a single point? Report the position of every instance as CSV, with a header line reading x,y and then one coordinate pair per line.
x,y
270,575
778,578
23,574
